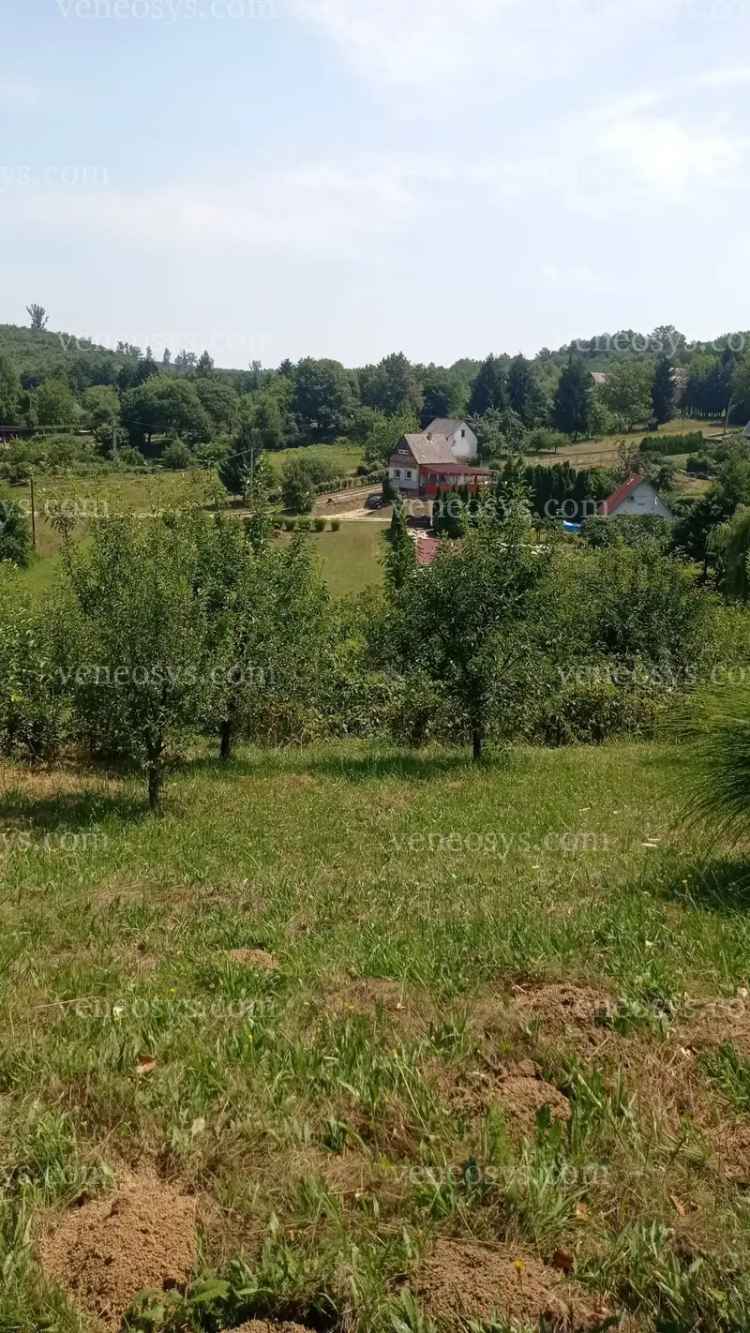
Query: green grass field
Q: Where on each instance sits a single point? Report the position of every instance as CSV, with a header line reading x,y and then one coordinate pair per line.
x,y
418,1043
342,457
603,452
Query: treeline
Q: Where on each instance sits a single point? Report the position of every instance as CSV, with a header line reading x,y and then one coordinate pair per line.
x,y
195,624
184,404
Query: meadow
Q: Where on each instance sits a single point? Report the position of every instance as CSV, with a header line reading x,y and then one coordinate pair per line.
x,y
375,1041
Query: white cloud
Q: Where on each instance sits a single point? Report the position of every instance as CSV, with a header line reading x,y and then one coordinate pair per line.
x,y
669,157
446,53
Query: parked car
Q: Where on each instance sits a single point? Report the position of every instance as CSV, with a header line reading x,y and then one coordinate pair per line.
x,y
374,501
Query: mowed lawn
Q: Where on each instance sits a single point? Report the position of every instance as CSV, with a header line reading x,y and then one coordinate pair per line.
x,y
420,1043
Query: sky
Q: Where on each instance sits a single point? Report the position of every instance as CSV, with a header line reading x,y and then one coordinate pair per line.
x,y
348,178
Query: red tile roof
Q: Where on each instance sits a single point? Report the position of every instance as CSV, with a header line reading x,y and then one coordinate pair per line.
x,y
614,500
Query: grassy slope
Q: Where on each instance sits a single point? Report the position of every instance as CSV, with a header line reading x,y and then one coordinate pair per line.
x,y
319,1106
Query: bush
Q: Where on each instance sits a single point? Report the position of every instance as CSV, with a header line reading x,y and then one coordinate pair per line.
x,y
290,524
15,534
31,706
673,444
304,524
335,524
319,524
177,456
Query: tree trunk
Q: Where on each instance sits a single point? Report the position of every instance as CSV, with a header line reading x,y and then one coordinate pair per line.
x,y
154,785
225,750
476,744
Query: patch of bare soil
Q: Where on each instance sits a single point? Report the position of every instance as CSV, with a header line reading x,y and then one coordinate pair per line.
x,y
268,1326
462,1280
260,959
380,997
715,1022
519,1091
106,1251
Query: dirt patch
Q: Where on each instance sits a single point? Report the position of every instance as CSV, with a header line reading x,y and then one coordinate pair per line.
x,y
381,998
268,1326
259,959
464,1280
715,1022
518,1090
105,1252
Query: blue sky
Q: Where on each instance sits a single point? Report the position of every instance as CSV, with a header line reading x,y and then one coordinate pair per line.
x,y
347,178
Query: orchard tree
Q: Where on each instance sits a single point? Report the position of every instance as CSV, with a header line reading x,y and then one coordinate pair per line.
x,y
463,621
137,671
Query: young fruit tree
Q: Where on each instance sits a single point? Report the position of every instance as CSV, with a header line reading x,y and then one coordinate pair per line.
x,y
137,669
464,621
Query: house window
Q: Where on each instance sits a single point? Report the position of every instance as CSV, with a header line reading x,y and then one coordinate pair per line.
x,y
463,433
408,475
398,472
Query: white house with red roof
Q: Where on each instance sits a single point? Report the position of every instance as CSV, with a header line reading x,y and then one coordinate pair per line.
x,y
637,497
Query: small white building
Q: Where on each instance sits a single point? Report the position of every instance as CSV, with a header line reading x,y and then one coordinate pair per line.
x,y
638,497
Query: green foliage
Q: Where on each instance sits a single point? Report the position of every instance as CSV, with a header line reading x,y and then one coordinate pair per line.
x,y
400,556
663,391
627,394
54,404
673,444
177,456
573,399
297,486
714,735
322,399
15,534
136,667
490,387
31,712
164,405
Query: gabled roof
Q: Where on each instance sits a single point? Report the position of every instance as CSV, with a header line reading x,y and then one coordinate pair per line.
x,y
444,426
436,450
617,497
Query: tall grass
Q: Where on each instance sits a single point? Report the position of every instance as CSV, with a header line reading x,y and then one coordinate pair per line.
x,y
714,733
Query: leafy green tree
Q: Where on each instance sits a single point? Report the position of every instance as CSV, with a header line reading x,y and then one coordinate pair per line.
x,y
205,366
177,456
259,522
55,404
31,703
268,628
15,534
10,392
740,393
219,400
164,405
297,486
384,434
628,393
137,671
323,399
442,396
662,391
391,387
573,400
733,546
101,407
463,620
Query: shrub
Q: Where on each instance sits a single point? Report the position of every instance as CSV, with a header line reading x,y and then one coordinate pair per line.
x,y
177,456
335,524
319,524
673,444
15,534
31,706
290,524
304,524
